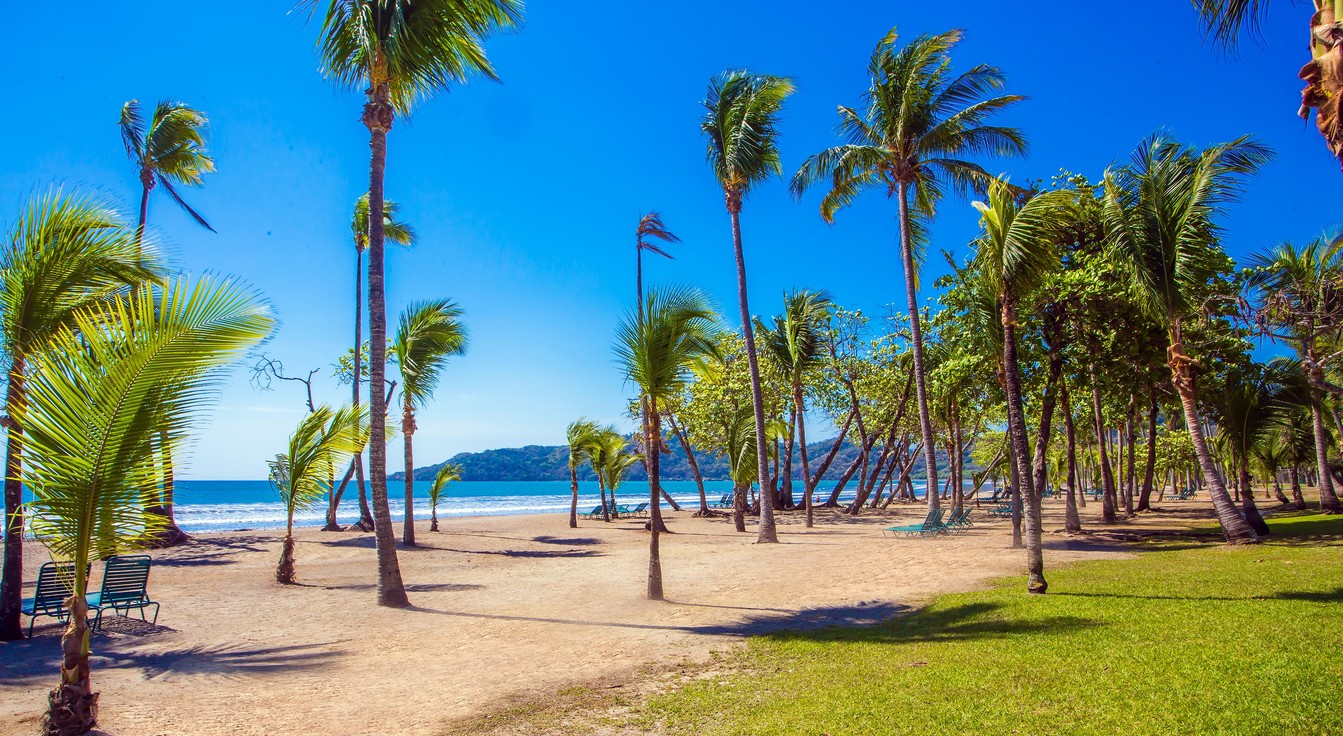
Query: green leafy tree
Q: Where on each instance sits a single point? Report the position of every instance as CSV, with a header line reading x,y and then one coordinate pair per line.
x,y
117,380
1159,214
430,333
740,122
397,51
656,353
449,473
913,140
302,475
67,252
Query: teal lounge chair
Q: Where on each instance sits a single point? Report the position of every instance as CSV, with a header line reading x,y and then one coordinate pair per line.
x,y
52,590
931,526
595,513
125,586
640,510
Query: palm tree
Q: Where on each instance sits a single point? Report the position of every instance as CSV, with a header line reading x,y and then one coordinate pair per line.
x,y
1302,302
302,476
741,114
397,232
650,228
429,334
616,459
920,124
656,353
396,51
581,435
797,347
171,148
607,442
1015,254
1159,213
1323,74
118,379
448,473
1246,406
67,252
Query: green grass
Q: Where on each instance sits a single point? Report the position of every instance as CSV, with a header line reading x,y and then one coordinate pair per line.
x,y
1186,638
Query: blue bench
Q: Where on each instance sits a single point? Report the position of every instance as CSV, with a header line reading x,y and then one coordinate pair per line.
x,y
53,587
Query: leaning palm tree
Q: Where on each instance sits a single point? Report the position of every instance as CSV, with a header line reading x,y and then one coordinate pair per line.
x,y
741,115
615,461
1302,304
796,345
169,148
397,232
650,228
67,252
656,353
115,382
302,476
1014,255
448,473
913,140
396,51
1323,74
429,334
581,435
1246,405
1158,214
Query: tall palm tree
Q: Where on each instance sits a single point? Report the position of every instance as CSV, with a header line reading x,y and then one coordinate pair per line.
x,y
797,346
912,141
447,474
1323,74
118,379
1159,213
302,475
67,252
1246,407
741,115
1014,254
656,353
397,51
581,435
1302,302
429,334
398,232
170,148
650,229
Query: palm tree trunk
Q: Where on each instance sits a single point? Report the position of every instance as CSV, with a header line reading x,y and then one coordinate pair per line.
x,y
767,533
1130,468
1294,474
573,501
1247,504
802,440
1039,464
786,481
1328,498
366,522
1234,526
169,534
378,116
651,431
408,433
916,330
1149,473
11,585
146,184
1107,475
72,707
1071,521
1016,418
601,488
284,572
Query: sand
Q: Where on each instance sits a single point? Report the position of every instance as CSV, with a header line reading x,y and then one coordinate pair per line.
x,y
502,606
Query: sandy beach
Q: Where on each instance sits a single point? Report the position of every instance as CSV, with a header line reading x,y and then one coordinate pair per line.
x,y
504,607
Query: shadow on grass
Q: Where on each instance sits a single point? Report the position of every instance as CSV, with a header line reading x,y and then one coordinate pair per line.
x,y
971,621
1314,596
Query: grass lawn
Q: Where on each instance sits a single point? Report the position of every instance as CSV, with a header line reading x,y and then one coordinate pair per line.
x,y
1190,637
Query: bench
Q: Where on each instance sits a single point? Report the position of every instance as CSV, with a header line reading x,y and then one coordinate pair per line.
x,y
53,587
125,586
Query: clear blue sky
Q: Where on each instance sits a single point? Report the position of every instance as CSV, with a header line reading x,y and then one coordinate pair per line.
x,y
525,194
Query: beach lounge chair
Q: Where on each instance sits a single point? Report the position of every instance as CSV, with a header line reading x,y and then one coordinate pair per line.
x,y
725,502
125,586
1001,510
640,510
52,590
931,526
595,513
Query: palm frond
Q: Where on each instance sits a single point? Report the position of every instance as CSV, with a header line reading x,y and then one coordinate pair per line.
x,y
741,124
430,332
657,351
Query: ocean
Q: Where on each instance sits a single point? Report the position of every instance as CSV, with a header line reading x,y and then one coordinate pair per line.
x,y
228,505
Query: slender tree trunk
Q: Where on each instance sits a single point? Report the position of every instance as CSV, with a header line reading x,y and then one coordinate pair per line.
x,y
1248,507
573,500
767,531
802,440
378,117
1149,473
1237,530
1298,500
1071,521
786,472
863,449
1016,418
1107,475
408,434
1043,435
815,479
679,431
365,522
916,330
1328,499
72,707
738,507
607,508
652,430
11,584
1130,468
284,572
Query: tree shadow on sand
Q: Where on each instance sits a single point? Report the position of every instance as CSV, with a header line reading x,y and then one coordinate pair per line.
x,y
210,552
33,661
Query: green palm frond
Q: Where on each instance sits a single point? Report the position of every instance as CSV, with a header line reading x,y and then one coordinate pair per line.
x,y
323,440
741,123
170,146
1016,250
429,334
795,341
449,473
128,374
651,228
67,252
1225,19
614,458
582,434
417,48
657,351
393,230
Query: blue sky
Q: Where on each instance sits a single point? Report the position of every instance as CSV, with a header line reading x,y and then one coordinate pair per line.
x,y
525,194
